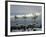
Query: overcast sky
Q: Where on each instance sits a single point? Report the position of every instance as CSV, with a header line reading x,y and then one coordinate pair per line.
x,y
23,9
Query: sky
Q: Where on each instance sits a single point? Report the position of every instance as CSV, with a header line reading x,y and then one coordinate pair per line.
x,y
23,10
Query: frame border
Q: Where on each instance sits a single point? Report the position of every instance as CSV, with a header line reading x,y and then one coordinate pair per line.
x,y
6,18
